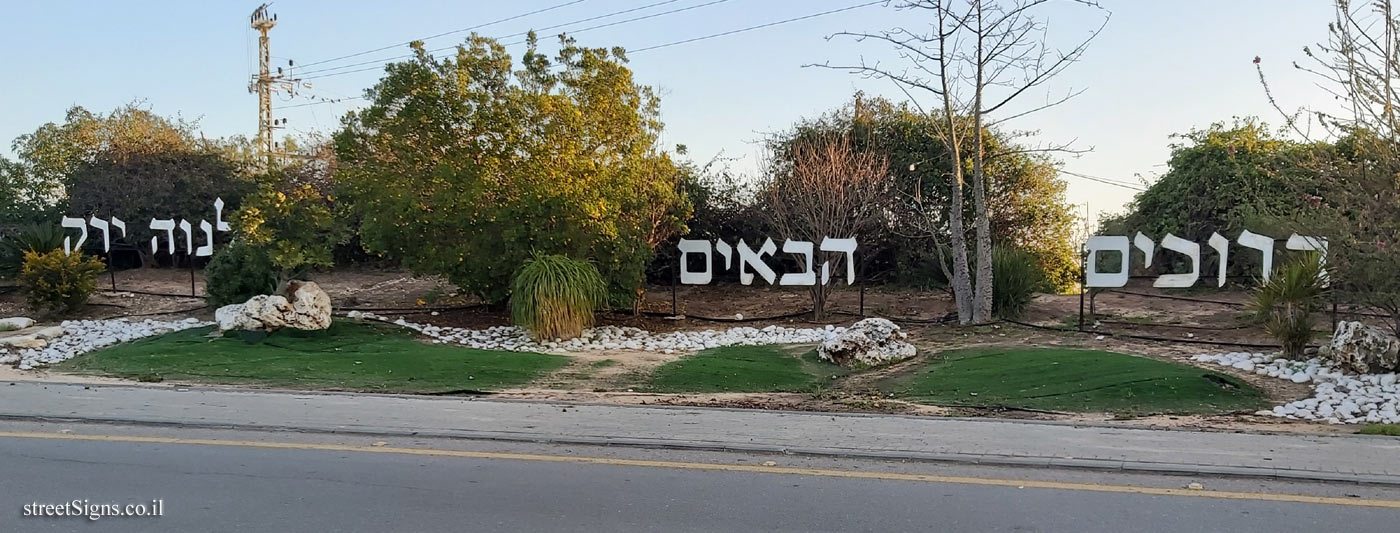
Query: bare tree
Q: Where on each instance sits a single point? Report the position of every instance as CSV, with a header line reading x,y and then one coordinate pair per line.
x,y
974,58
825,188
1353,194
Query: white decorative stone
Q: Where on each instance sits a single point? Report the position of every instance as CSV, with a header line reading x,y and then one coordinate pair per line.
x,y
872,341
82,336
1338,396
15,323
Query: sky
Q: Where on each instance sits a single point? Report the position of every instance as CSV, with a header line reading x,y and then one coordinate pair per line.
x,y
1158,68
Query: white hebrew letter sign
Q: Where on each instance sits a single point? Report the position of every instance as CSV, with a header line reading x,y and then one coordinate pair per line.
x,y
751,261
1093,277
160,227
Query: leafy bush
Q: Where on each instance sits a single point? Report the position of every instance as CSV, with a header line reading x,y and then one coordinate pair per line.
x,y
55,281
178,184
295,228
1018,277
29,238
554,297
571,167
239,272
1284,303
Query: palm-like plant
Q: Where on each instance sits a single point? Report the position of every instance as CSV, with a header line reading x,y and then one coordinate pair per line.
x,y
37,238
553,297
1284,303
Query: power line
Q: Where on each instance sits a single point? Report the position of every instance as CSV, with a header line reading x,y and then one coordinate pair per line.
x,y
1105,181
760,26
680,42
330,101
443,34
379,62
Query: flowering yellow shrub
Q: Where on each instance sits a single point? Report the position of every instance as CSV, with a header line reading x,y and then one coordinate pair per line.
x,y
59,282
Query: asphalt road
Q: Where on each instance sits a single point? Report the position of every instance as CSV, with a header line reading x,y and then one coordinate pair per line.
x,y
292,488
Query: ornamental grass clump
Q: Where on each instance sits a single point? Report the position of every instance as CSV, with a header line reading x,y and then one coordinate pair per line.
x,y
553,297
1018,278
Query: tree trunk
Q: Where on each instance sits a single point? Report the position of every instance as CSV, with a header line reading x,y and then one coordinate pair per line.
x,y
962,284
982,306
982,311
819,293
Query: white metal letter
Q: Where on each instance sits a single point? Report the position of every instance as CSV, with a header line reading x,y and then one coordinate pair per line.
x,y
1264,244
106,238
695,246
219,215
1104,243
169,226
1222,247
1192,250
747,257
1146,245
847,246
70,222
808,275
208,248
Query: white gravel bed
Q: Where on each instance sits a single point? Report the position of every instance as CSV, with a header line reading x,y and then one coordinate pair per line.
x,y
83,336
1339,397
614,337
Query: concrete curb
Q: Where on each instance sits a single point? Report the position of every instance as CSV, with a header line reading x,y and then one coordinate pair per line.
x,y
1072,463
489,397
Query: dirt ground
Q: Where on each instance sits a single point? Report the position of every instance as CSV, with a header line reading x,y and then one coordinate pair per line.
x,y
1136,320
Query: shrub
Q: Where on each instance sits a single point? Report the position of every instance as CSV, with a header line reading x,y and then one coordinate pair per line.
x,y
55,281
29,238
571,166
1284,303
1018,277
292,224
554,297
239,272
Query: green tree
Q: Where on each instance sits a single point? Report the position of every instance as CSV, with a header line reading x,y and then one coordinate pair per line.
x,y
292,225
138,187
22,198
1222,179
462,167
53,153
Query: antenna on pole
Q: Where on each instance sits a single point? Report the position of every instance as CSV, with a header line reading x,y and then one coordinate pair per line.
x,y
265,83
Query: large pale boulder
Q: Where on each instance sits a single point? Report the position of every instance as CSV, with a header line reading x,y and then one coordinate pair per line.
x,y
869,342
15,323
301,305
23,341
1364,349
50,332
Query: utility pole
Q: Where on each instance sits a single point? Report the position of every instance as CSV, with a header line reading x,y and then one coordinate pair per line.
x,y
265,83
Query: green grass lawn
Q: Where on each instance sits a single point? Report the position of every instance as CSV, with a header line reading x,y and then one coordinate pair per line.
x,y
1392,430
348,356
768,368
1060,379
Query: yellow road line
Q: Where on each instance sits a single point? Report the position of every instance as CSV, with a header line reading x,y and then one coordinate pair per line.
x,y
852,474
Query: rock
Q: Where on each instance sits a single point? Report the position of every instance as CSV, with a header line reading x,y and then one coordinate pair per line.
x,y
15,323
23,341
1363,348
49,332
872,341
302,305
311,304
